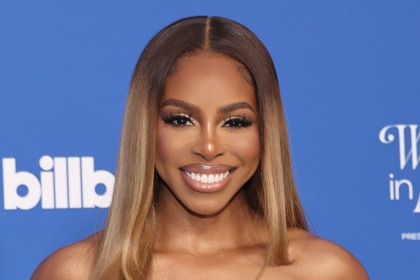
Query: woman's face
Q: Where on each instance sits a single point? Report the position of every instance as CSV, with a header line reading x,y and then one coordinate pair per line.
x,y
207,144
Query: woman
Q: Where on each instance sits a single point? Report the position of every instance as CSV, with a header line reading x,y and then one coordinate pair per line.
x,y
204,186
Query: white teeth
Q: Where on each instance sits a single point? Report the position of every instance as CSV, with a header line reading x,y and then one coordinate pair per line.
x,y
207,178
203,178
210,178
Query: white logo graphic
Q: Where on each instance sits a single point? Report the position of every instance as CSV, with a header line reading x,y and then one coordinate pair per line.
x,y
405,155
408,138
63,183
395,189
410,236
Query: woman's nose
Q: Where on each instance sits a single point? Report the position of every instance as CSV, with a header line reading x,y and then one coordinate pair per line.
x,y
207,145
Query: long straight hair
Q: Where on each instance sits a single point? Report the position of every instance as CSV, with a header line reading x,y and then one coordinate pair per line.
x,y
125,245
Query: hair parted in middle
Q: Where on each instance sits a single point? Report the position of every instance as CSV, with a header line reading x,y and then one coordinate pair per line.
x,y
125,246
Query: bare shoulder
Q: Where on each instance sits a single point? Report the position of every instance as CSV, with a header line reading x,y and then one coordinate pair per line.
x,y
71,262
323,259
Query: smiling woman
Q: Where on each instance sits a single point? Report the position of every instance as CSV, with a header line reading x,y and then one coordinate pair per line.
x,y
208,129
204,186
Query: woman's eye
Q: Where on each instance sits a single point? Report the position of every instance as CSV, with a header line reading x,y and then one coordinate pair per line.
x,y
237,122
178,120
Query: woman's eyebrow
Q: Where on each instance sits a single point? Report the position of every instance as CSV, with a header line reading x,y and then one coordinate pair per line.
x,y
181,104
192,108
235,106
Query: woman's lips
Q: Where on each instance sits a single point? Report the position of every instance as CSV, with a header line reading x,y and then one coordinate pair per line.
x,y
207,178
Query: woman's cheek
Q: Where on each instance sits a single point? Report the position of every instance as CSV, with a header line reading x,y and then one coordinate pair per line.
x,y
172,142
246,146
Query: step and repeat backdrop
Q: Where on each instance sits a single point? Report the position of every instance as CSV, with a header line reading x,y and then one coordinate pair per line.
x,y
349,76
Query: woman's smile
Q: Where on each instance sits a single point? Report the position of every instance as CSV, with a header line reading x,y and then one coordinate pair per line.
x,y
207,178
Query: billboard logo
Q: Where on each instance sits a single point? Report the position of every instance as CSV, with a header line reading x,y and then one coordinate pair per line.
x,y
63,183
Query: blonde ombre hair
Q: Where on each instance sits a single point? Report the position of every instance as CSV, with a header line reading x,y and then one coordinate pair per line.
x,y
125,245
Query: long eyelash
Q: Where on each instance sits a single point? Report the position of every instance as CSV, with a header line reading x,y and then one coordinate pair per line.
x,y
171,118
241,121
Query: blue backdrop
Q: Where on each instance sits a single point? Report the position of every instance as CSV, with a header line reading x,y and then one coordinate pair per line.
x,y
348,71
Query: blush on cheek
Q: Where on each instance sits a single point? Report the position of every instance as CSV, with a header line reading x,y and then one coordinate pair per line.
x,y
171,144
247,148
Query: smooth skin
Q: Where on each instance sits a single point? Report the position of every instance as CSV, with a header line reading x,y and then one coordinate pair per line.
x,y
209,117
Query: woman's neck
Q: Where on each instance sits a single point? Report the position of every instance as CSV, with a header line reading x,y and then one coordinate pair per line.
x,y
236,226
